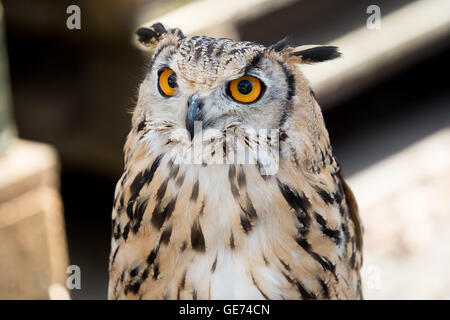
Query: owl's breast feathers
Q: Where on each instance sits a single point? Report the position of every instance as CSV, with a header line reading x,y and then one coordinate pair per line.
x,y
187,231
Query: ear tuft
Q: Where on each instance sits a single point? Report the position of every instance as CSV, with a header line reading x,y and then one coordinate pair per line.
x,y
150,37
280,45
316,54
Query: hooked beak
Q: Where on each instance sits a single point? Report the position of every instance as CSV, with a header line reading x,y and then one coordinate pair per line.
x,y
194,113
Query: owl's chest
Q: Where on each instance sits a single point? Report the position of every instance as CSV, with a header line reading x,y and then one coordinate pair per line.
x,y
218,232
234,234
231,277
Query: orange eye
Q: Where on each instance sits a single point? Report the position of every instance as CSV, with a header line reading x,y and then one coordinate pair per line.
x,y
167,82
246,89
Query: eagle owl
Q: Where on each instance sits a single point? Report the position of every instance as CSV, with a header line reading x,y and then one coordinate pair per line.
x,y
212,204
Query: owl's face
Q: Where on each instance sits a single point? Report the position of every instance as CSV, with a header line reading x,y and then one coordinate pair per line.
x,y
221,82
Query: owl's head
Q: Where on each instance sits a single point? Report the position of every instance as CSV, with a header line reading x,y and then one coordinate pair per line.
x,y
222,82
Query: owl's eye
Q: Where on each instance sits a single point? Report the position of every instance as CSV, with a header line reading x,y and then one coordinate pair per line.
x,y
245,89
167,82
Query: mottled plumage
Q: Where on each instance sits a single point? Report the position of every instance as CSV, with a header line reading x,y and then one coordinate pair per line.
x,y
214,230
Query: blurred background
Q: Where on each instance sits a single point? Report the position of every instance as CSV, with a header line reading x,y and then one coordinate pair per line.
x,y
66,97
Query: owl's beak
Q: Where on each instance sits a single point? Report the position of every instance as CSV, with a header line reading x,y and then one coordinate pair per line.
x,y
194,113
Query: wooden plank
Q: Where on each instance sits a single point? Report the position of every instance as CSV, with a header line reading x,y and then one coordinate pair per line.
x,y
33,248
26,166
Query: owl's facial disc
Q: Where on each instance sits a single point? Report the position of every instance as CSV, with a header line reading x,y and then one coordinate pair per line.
x,y
220,82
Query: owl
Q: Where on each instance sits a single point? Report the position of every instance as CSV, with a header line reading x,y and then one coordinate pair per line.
x,y
230,189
